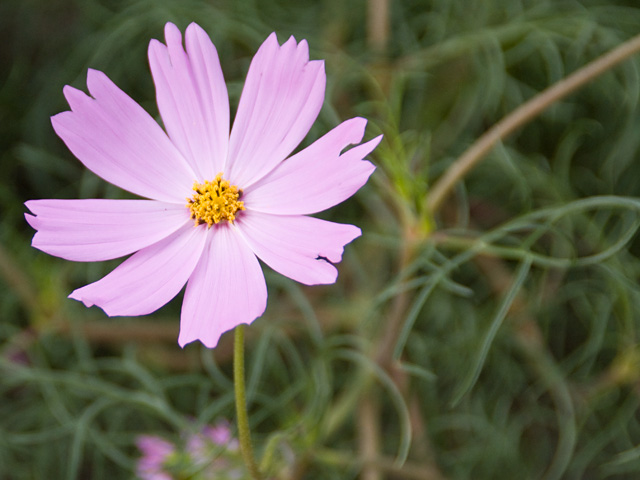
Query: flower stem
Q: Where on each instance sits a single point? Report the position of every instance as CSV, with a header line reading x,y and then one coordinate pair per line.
x,y
241,403
522,115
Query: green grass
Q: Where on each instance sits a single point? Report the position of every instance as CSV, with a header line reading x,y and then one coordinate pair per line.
x,y
494,338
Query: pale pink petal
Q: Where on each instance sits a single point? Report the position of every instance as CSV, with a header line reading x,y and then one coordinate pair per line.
x,y
117,140
149,278
299,247
280,101
192,97
318,177
93,230
227,288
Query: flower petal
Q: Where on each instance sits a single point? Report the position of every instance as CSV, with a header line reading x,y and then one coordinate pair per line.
x,y
116,139
149,278
227,288
318,177
280,101
299,247
192,97
94,230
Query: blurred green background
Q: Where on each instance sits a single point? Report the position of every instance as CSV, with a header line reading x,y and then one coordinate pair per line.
x,y
495,338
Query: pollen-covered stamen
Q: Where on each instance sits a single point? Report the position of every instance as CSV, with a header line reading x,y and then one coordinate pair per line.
x,y
215,201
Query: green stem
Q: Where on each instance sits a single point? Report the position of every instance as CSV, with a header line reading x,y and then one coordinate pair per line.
x,y
241,403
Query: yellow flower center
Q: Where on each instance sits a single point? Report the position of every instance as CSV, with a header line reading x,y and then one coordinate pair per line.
x,y
215,201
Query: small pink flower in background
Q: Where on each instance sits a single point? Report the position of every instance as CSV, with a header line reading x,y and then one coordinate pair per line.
x,y
155,453
228,460
220,434
211,454
218,199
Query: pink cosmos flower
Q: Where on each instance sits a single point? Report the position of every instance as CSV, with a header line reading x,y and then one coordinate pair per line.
x,y
216,200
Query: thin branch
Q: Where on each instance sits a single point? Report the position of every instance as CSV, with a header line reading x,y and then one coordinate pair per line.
x,y
378,25
368,415
524,114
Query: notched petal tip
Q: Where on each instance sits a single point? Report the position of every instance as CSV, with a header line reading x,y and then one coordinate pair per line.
x,y
353,132
183,341
348,234
74,97
209,339
194,29
88,303
100,85
155,48
77,295
375,141
289,44
303,50
172,33
360,122
69,90
371,145
32,221
270,44
97,79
